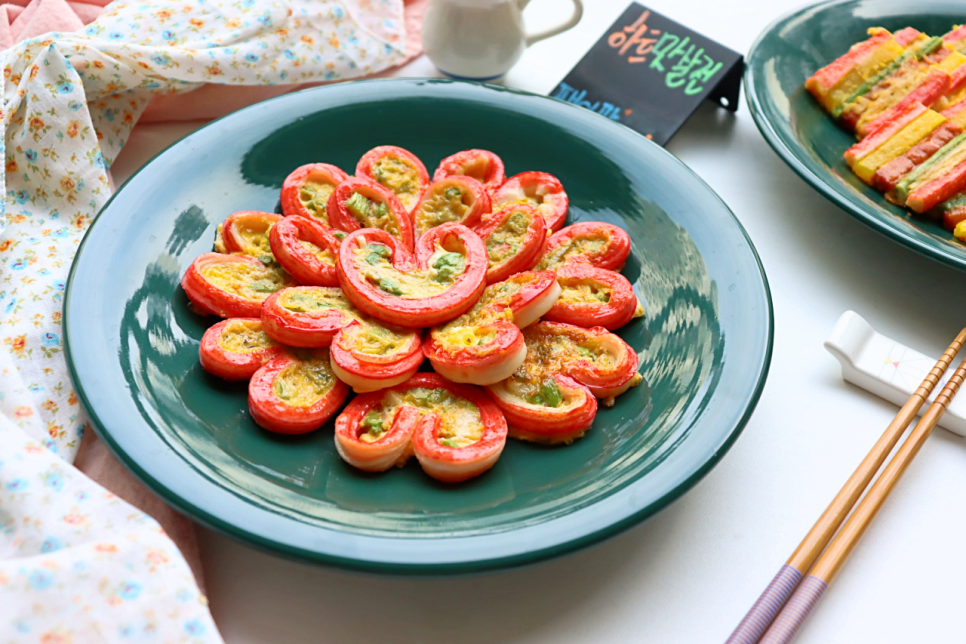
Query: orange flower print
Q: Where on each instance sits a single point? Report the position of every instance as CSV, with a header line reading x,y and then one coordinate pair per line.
x,y
214,70
36,124
33,448
234,23
5,244
17,219
15,79
75,518
11,165
98,64
67,184
48,405
334,42
164,14
308,39
143,64
79,220
100,135
281,32
23,411
54,637
157,557
53,429
34,71
105,547
72,398
128,117
73,128
195,22
17,344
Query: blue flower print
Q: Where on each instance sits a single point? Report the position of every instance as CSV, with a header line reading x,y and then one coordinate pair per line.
x,y
35,389
10,305
126,631
43,272
168,35
194,627
160,59
50,340
61,233
248,4
115,35
18,265
108,114
252,58
18,485
31,155
51,445
337,12
41,579
290,54
22,196
265,19
65,87
54,481
51,544
129,590
184,595
75,105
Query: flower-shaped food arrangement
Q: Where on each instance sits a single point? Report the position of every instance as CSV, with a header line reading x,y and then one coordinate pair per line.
x,y
455,431
366,354
336,294
397,169
538,189
235,348
247,233
485,345
458,199
586,257
552,397
441,281
360,203
295,392
306,250
515,238
482,165
232,286
306,191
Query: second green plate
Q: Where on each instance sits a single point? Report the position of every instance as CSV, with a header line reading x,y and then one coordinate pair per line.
x,y
793,48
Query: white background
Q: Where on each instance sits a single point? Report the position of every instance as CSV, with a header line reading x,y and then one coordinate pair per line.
x,y
689,573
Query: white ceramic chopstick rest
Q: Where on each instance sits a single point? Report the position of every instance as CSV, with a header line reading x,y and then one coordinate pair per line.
x,y
886,368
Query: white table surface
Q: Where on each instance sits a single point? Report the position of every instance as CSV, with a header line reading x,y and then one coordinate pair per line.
x,y
689,573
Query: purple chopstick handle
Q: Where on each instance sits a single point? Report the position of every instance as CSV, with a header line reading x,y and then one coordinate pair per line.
x,y
750,629
796,610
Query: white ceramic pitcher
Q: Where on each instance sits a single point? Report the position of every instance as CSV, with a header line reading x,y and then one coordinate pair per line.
x,y
481,39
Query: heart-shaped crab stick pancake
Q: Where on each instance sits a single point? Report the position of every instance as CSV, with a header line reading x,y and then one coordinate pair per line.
x,y
306,192
485,345
482,165
295,392
593,242
594,297
247,232
385,280
515,238
544,405
397,169
307,250
360,203
457,198
455,430
538,189
366,354
231,286
235,348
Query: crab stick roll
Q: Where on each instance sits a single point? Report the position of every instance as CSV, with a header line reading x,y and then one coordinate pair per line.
x,y
594,297
305,316
441,281
370,437
936,179
913,125
235,348
231,286
458,199
537,189
247,232
483,165
485,345
953,211
515,238
555,410
295,392
368,356
397,169
593,242
361,203
306,249
306,191
890,174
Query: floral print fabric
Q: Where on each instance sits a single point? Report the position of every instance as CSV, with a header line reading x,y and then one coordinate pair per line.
x,y
69,103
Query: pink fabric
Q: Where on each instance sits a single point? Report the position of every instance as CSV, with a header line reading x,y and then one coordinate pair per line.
x,y
22,19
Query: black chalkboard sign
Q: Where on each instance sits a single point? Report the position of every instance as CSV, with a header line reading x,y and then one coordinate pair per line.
x,y
650,73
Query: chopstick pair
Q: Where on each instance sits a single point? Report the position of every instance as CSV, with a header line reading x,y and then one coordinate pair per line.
x,y
789,598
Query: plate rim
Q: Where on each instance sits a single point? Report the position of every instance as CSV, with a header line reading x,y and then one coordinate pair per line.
x,y
801,163
316,556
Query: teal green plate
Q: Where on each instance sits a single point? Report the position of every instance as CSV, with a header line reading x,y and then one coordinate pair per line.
x,y
704,346
793,48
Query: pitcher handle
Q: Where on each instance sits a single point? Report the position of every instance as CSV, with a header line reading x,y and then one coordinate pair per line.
x,y
553,31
